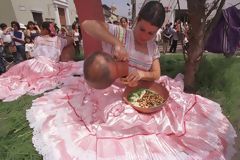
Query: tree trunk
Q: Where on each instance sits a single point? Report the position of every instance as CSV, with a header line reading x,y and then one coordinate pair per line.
x,y
196,43
191,67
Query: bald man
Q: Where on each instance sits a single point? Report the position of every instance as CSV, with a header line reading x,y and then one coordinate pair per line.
x,y
101,70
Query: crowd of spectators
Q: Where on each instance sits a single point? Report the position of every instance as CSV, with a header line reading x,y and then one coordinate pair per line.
x,y
171,35
167,37
17,41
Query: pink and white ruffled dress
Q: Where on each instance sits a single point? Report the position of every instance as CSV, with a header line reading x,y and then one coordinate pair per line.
x,y
76,122
39,74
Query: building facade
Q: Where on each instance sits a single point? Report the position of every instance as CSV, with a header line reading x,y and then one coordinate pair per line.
x,y
62,12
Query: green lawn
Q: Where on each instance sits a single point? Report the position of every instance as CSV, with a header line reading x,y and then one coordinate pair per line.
x,y
218,79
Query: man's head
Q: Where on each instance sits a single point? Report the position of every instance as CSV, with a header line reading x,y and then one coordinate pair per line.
x,y
99,70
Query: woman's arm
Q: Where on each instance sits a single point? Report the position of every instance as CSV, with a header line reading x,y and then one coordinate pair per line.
x,y
152,75
28,33
8,29
37,29
99,30
18,40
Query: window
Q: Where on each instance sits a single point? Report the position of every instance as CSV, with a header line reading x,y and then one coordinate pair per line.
x,y
37,17
62,17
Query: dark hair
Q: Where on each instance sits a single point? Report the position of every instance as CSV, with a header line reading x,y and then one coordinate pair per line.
x,y
74,25
15,23
116,22
56,28
99,60
28,37
30,23
3,25
123,18
46,25
153,12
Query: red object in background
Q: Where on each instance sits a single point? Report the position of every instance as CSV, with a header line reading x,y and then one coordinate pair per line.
x,y
89,10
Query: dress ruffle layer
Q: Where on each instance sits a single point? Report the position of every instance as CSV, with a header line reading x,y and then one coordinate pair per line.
x,y
76,122
36,76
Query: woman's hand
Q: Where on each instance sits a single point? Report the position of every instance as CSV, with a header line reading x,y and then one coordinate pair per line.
x,y
130,84
120,53
133,78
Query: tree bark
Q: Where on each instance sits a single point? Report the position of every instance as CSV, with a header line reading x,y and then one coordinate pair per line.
x,y
199,32
196,43
191,68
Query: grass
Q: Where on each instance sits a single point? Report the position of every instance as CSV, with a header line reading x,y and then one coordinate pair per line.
x,y
15,134
218,79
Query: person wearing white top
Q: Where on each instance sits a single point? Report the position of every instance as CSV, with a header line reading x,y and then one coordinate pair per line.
x,y
76,36
159,38
29,47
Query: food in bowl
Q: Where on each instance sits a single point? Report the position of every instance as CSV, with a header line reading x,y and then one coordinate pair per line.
x,y
145,98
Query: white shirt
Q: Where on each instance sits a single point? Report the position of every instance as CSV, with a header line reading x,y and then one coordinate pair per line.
x,y
75,36
158,34
29,47
7,37
50,47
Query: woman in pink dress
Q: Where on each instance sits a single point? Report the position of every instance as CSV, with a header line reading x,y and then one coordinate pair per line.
x,y
41,73
79,122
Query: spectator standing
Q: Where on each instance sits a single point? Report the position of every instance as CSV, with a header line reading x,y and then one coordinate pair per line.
x,y
33,30
124,22
63,32
186,37
166,35
2,64
29,47
76,37
9,49
175,39
18,39
159,38
6,33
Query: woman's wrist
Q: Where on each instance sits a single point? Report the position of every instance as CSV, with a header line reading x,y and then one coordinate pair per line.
x,y
141,74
